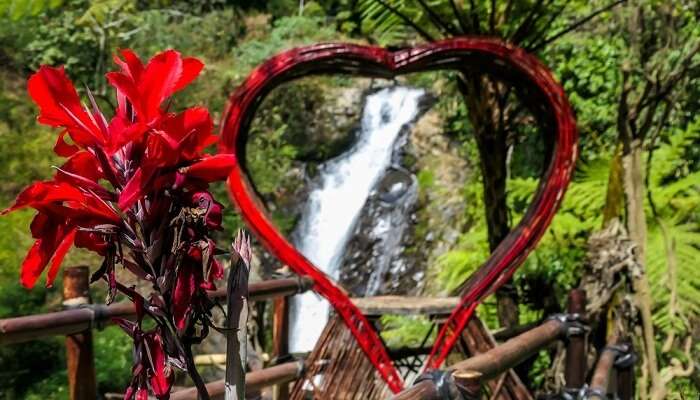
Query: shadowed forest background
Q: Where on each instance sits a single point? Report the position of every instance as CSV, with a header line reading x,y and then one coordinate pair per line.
x,y
631,71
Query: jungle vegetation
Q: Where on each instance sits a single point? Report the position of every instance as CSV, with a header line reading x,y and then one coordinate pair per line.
x,y
631,70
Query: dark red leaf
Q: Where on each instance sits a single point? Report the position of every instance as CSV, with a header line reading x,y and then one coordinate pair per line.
x,y
161,379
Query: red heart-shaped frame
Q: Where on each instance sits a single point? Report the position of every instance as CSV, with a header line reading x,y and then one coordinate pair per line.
x,y
537,88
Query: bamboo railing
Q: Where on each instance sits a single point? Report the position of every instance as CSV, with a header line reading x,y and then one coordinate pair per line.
x,y
462,380
89,316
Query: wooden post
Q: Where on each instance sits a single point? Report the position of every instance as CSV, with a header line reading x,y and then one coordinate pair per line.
x,y
280,341
624,367
79,352
575,368
625,383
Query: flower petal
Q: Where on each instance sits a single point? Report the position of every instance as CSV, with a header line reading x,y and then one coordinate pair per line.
x,y
185,288
142,394
126,88
60,105
122,132
211,168
131,66
161,379
62,148
158,82
191,67
192,130
136,188
84,164
39,255
65,244
39,194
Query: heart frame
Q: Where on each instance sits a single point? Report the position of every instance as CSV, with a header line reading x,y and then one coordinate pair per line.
x,y
533,80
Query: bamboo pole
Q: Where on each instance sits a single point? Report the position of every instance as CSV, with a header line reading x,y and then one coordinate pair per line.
x,y
600,382
67,322
625,380
79,350
514,351
616,358
255,380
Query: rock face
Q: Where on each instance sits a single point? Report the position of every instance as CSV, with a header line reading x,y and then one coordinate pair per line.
x,y
440,215
407,222
322,124
407,225
374,262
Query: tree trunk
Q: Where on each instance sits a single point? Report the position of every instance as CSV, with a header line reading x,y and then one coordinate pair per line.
x,y
634,189
480,97
614,196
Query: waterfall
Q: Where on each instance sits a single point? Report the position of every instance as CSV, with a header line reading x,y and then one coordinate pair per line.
x,y
343,185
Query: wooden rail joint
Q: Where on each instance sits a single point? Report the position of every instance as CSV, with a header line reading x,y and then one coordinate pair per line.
x,y
574,324
444,385
454,385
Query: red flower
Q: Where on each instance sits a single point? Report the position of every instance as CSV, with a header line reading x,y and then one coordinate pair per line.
x,y
143,150
134,190
147,87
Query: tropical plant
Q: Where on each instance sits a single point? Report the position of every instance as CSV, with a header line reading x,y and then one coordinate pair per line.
x,y
673,242
134,191
494,112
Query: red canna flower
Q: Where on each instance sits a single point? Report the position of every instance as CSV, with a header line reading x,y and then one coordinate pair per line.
x,y
134,189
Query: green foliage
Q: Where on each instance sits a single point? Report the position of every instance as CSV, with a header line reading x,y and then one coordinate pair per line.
x,y
81,36
287,32
113,359
398,21
18,9
547,267
400,330
24,364
675,192
210,36
588,68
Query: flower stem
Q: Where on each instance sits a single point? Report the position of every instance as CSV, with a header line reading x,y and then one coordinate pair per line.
x,y
194,374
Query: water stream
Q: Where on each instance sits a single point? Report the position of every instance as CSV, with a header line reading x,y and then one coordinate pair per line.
x,y
342,188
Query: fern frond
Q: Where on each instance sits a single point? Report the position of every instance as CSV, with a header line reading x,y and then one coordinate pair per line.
x,y
686,237
385,25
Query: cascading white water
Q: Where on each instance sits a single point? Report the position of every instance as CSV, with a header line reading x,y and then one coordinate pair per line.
x,y
335,204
